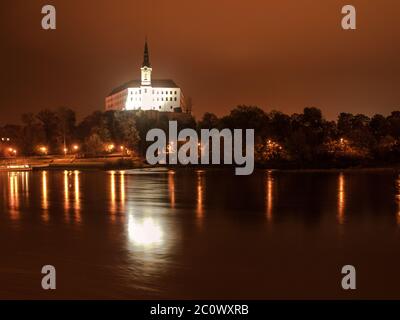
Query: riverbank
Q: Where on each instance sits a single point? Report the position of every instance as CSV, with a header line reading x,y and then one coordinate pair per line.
x,y
118,162
74,163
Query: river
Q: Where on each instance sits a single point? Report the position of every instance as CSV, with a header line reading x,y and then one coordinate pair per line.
x,y
199,234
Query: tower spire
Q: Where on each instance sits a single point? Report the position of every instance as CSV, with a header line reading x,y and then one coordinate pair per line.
x,y
146,57
146,66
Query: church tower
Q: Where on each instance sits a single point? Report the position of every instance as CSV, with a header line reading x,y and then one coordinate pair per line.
x,y
146,67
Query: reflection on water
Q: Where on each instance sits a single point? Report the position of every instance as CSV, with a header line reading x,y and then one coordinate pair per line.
x,y
77,202
122,189
171,188
341,199
113,207
269,195
200,195
45,202
18,187
144,232
25,184
183,233
397,197
117,197
71,181
13,195
66,193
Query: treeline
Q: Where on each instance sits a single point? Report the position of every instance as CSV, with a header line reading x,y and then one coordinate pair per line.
x,y
304,139
57,132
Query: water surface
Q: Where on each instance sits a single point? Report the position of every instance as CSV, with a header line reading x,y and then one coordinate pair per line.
x,y
199,234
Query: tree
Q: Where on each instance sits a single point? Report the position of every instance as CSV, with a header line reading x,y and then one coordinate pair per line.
x,y
128,134
67,124
279,125
307,136
85,127
32,134
94,145
379,126
50,124
209,121
248,117
394,124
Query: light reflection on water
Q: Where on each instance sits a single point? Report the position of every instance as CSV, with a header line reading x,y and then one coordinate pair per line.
x,y
144,194
66,194
398,199
171,188
122,189
341,198
145,232
200,196
164,229
269,195
13,195
77,202
113,207
45,202
72,197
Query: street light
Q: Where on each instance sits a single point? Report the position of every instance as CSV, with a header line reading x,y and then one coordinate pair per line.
x,y
110,147
43,149
12,151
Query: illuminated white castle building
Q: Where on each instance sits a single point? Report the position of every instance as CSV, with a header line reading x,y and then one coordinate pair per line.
x,y
146,94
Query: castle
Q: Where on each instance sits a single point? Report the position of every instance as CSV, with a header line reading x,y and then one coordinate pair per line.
x,y
146,93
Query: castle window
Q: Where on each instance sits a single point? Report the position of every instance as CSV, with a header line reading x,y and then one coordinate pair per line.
x,y
175,98
175,92
159,107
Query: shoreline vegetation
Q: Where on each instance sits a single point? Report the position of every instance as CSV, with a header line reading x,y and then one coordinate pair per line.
x,y
117,139
131,163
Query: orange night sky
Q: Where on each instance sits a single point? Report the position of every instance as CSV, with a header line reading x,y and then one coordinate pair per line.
x,y
283,55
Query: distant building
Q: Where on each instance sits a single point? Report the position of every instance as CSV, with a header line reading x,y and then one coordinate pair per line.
x,y
146,93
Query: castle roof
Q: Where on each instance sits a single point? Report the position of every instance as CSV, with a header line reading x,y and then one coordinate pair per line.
x,y
158,83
